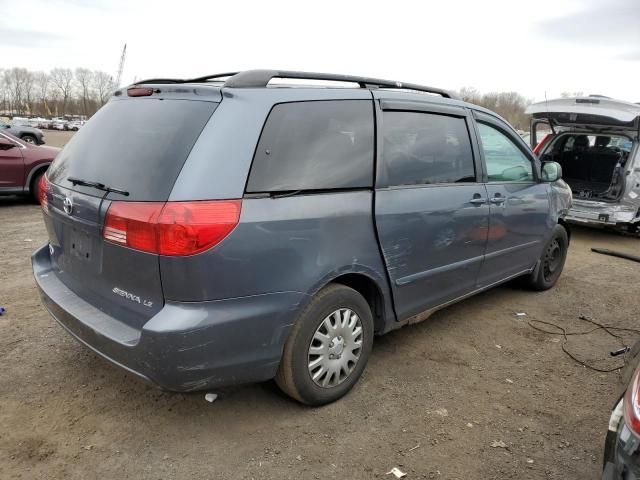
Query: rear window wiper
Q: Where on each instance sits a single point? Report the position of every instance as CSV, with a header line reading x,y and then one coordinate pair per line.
x,y
97,185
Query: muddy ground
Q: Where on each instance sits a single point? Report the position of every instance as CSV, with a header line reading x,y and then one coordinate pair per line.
x,y
433,399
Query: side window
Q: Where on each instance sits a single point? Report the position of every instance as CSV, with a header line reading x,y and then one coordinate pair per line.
x,y
315,145
504,160
425,148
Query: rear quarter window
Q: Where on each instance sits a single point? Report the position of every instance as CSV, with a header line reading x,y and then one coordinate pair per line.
x,y
315,145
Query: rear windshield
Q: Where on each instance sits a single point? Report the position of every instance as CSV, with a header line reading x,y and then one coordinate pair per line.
x,y
136,145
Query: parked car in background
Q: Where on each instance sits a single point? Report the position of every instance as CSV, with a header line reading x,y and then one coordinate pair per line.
x,y
75,125
622,443
594,139
22,165
37,122
58,124
20,121
255,232
25,133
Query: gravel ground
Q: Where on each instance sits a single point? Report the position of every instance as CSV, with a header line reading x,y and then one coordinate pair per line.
x,y
56,138
434,399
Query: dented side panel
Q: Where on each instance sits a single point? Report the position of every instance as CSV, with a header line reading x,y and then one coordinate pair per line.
x,y
433,240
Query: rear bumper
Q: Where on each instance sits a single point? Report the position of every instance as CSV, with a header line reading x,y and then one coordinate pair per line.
x,y
601,213
621,461
186,346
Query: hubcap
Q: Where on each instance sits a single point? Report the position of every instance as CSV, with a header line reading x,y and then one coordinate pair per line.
x,y
552,258
28,140
335,348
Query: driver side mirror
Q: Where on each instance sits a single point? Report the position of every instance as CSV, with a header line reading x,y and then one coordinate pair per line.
x,y
551,172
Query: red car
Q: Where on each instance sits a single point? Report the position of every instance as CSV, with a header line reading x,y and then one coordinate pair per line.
x,y
22,165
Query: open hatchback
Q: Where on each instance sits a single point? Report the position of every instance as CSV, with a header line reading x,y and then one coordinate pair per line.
x,y
595,140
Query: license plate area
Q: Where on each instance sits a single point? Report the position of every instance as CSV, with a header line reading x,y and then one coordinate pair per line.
x,y
79,245
81,251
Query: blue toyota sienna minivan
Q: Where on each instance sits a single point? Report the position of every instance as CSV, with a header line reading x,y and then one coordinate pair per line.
x,y
227,229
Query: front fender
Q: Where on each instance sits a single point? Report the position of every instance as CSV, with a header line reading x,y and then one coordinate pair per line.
x,y
561,200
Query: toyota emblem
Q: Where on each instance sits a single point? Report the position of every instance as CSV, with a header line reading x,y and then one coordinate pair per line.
x,y
67,205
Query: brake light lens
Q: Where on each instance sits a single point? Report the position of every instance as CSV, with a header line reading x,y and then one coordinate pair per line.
x,y
139,92
542,143
171,228
632,404
43,193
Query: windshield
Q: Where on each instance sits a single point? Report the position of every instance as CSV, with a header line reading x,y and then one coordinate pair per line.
x,y
136,145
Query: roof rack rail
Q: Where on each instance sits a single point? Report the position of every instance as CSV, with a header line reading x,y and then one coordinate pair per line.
x,y
260,78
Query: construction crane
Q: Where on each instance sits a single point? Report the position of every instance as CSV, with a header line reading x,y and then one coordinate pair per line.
x,y
121,67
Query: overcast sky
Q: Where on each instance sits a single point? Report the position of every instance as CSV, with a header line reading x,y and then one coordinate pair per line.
x,y
531,47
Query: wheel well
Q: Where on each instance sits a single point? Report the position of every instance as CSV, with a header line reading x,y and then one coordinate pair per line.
x,y
34,175
566,227
370,290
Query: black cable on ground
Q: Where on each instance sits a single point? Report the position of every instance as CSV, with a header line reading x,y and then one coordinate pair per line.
x,y
598,326
613,253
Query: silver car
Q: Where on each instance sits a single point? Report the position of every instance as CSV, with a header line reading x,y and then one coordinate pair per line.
x,y
595,140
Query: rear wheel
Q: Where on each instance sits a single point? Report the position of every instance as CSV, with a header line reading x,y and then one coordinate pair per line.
x,y
552,261
29,139
328,347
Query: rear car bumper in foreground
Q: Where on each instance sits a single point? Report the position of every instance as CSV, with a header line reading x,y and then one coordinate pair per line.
x,y
621,461
187,345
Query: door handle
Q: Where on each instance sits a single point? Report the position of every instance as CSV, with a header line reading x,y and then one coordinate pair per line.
x,y
478,199
497,199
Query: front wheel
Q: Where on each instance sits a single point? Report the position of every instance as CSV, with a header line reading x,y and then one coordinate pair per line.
x,y
552,261
29,139
328,347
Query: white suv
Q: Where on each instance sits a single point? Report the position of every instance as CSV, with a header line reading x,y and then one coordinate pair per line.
x,y
595,140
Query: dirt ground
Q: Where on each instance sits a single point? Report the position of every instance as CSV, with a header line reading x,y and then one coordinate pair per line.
x,y
433,399
56,138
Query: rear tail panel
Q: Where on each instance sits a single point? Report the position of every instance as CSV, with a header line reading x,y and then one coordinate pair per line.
x,y
137,146
122,282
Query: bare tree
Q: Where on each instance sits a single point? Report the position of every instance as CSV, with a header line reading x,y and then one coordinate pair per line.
x,y
471,95
42,83
62,80
4,93
16,80
29,90
510,105
84,77
104,86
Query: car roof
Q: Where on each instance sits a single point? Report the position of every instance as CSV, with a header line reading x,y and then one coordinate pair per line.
x,y
593,105
260,79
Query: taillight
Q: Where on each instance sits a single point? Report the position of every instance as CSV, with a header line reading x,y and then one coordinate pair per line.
x,y
171,228
542,143
43,193
139,92
632,404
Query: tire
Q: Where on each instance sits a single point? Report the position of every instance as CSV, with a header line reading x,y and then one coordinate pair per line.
x,y
34,191
551,261
29,139
344,354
